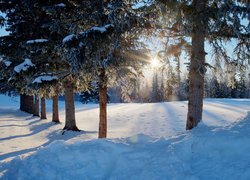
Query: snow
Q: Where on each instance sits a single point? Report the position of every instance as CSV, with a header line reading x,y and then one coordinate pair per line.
x,y
60,5
101,29
69,38
145,141
6,62
37,41
23,66
42,78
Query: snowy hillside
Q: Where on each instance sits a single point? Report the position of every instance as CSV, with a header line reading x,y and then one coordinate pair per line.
x,y
145,141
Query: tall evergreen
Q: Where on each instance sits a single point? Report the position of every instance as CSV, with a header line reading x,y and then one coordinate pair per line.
x,y
201,21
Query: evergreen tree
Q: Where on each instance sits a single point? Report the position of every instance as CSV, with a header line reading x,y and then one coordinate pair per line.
x,y
205,20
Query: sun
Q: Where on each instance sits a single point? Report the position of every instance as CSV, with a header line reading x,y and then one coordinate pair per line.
x,y
155,63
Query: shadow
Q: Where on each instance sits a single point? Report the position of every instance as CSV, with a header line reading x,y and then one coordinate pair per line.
x,y
35,130
14,125
52,136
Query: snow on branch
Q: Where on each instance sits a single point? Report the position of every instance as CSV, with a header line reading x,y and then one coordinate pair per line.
x,y
23,66
37,41
101,29
6,62
41,79
60,5
69,38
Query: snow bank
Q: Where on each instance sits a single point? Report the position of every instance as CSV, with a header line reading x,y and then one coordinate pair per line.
x,y
23,66
37,41
203,153
40,79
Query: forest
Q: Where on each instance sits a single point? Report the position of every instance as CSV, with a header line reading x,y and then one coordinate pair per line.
x,y
60,48
124,89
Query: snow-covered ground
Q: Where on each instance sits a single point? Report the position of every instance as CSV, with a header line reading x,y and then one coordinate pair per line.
x,y
145,141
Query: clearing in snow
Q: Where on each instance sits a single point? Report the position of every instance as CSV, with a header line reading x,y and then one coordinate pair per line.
x,y
145,141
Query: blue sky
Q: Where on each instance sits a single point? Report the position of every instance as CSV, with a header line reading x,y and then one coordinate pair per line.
x,y
3,32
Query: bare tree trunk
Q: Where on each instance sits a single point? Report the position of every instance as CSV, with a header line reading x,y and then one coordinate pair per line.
x,y
27,103
43,108
55,115
22,102
36,106
70,122
102,104
197,68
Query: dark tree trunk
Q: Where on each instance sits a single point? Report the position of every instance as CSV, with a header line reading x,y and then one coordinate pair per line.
x,y
43,108
27,103
197,68
102,104
36,106
55,115
70,122
22,102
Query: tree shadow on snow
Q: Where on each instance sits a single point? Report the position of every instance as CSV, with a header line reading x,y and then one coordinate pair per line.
x,y
52,136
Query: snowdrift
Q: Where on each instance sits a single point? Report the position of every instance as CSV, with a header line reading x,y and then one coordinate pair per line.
x,y
203,153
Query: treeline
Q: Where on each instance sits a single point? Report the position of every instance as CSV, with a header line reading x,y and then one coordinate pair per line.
x,y
67,46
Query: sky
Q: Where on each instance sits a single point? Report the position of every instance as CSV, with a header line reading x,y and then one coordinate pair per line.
x,y
2,30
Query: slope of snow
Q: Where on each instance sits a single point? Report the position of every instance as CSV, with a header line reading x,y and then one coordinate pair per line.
x,y
204,153
23,66
146,141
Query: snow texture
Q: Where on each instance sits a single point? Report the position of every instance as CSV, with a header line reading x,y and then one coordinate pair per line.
x,y
37,41
23,66
146,141
69,38
40,79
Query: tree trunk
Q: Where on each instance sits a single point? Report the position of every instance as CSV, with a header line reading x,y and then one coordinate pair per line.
x,y
55,115
70,122
36,106
22,102
27,103
43,108
197,68
102,104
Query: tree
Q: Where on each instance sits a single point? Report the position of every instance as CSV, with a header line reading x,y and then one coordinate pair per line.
x,y
101,50
205,20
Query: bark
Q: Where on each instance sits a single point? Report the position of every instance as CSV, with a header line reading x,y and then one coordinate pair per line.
x,y
55,115
22,102
36,106
197,69
27,103
43,108
70,122
102,105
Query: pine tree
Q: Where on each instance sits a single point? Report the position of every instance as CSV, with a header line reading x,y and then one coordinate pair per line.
x,y
205,20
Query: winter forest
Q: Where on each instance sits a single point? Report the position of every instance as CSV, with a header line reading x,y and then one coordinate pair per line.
x,y
124,89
